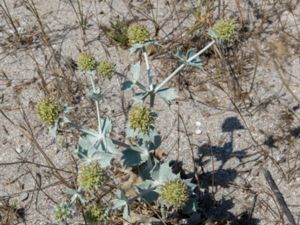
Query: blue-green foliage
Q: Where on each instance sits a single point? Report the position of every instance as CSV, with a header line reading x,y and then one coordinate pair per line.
x,y
184,58
94,146
98,145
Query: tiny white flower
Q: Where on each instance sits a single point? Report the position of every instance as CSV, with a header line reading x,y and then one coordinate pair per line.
x,y
198,123
198,131
19,149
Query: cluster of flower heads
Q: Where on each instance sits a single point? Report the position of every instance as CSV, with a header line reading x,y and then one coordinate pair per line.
x,y
91,176
175,193
94,214
48,111
137,34
87,62
141,119
63,212
224,30
105,69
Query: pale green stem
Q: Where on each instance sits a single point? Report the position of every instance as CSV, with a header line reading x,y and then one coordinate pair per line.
x,y
97,105
182,66
148,69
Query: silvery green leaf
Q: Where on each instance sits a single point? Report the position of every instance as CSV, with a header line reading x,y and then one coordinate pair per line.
x,y
155,141
104,159
167,94
136,47
151,138
126,213
147,191
95,95
189,183
106,126
134,156
140,97
89,155
147,140
184,58
91,148
146,168
80,152
162,173
136,70
215,37
110,147
197,62
180,54
191,206
53,129
127,85
88,139
130,133
155,170
191,52
120,201
76,195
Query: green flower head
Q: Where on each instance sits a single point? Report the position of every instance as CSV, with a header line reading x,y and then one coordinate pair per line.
x,y
174,193
91,176
137,34
106,69
86,62
141,118
95,214
224,30
63,212
48,111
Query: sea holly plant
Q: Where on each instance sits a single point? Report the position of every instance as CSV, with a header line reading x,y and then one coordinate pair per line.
x,y
222,32
91,176
170,189
52,114
121,202
63,212
98,153
95,214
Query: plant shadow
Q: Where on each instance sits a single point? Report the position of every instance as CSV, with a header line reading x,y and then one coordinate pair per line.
x,y
219,211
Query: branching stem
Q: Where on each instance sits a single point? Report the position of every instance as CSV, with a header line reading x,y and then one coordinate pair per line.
x,y
150,82
97,104
182,66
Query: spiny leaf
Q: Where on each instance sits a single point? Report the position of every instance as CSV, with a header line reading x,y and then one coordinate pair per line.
x,y
136,70
147,191
135,156
127,85
184,58
167,94
95,95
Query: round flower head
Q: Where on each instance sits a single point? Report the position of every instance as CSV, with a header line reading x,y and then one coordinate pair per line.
x,y
94,214
137,34
224,30
91,176
86,62
48,111
140,118
174,193
62,212
106,69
